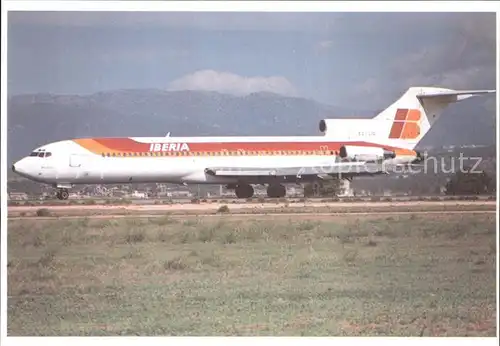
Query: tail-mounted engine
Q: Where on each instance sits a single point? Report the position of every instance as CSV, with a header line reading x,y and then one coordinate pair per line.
x,y
358,153
323,125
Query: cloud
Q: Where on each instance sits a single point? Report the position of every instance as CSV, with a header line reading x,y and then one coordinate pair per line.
x,y
464,58
229,83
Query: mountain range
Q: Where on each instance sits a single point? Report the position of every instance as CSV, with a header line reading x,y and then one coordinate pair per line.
x,y
37,119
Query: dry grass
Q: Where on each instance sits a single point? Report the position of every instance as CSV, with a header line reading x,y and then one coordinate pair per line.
x,y
224,276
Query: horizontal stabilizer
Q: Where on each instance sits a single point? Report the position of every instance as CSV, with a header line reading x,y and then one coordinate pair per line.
x,y
452,95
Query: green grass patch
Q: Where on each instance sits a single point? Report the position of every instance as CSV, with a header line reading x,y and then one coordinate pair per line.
x,y
223,275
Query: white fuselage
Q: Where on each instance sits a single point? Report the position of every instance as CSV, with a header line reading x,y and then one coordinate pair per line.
x,y
172,160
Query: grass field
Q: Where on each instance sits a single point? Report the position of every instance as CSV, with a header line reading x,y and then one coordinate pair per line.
x,y
402,275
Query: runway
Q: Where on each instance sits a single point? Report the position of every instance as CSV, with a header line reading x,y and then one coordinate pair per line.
x,y
207,206
253,215
254,209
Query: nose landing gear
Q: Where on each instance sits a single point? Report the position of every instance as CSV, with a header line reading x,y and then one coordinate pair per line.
x,y
62,194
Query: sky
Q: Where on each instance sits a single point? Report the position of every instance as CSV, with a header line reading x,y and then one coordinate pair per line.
x,y
342,59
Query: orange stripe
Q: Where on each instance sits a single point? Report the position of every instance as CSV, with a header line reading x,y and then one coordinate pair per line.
x,y
91,145
411,131
413,115
123,144
404,152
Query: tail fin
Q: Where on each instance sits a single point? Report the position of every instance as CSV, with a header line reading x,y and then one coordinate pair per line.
x,y
412,116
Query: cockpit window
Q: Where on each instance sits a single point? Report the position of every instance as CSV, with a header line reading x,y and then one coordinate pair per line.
x,y
48,154
34,153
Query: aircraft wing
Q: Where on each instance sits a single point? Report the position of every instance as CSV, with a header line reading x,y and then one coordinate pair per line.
x,y
350,168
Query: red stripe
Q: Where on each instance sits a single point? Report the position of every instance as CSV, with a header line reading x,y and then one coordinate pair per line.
x,y
397,128
401,114
130,145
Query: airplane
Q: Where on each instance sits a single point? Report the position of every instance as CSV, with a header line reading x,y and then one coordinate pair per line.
x,y
347,148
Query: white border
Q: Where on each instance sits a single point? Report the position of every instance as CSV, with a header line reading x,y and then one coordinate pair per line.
x,y
3,177
498,180
249,341
271,6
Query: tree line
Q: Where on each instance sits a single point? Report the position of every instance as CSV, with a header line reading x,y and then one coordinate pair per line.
x,y
464,182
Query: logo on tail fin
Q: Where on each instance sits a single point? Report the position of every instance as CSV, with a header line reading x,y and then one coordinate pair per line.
x,y
405,125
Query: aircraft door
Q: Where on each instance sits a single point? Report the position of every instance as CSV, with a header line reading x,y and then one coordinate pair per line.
x,y
79,166
75,160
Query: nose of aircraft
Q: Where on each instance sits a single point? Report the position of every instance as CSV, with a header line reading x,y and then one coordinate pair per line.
x,y
20,168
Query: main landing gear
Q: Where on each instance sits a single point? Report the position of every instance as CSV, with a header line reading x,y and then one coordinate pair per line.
x,y
244,191
247,191
62,194
276,191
